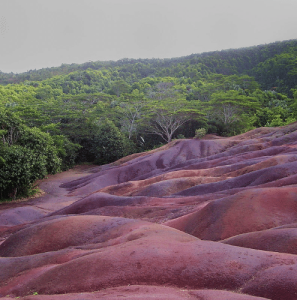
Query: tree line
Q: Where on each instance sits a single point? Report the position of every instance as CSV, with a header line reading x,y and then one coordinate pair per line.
x,y
100,115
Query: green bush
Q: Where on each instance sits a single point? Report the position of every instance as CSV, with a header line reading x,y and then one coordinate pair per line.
x,y
200,133
26,154
180,136
42,144
109,144
66,151
22,166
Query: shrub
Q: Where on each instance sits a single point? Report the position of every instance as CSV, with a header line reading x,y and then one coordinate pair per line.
x,y
200,133
21,168
26,154
180,136
109,144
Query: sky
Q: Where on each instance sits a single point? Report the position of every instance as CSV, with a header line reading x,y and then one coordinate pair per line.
x,y
35,34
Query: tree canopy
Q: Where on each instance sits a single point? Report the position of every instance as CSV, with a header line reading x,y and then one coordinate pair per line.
x,y
53,118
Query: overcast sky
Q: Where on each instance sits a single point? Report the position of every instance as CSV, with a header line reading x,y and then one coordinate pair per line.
x,y
43,33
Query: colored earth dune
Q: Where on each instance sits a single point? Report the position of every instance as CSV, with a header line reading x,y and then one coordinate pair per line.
x,y
195,219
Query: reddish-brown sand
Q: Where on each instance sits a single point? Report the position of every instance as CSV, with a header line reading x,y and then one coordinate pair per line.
x,y
196,219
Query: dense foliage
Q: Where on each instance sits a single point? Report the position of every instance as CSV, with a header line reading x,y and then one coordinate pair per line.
x,y
26,154
97,112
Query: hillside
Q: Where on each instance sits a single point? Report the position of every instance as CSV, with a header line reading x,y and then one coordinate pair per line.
x,y
211,218
226,62
99,112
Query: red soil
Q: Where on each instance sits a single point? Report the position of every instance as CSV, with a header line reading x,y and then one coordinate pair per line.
x,y
226,209
246,211
279,239
147,292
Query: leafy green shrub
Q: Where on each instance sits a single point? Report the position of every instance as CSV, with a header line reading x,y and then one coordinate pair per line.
x,y
42,144
66,151
180,136
109,144
200,133
21,168
26,154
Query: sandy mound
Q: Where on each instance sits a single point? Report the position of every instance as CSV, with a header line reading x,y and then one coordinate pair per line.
x,y
278,240
84,253
246,211
250,179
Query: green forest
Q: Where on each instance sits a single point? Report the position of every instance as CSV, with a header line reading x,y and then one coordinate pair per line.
x,y
98,112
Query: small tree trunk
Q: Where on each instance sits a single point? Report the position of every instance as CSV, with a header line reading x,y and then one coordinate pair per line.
x,y
15,193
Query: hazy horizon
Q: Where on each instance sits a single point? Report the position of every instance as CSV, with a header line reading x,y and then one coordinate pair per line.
x,y
115,60
36,35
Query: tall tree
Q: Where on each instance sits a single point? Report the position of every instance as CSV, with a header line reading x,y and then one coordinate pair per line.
x,y
164,118
230,108
131,111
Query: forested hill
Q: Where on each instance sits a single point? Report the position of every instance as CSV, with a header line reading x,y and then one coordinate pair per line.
x,y
97,112
249,61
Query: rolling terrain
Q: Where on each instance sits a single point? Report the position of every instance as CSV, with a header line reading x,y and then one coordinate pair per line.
x,y
213,218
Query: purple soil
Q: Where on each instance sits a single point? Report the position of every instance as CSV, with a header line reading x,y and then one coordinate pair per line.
x,y
246,211
144,292
98,252
282,240
228,209
251,179
20,215
275,283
